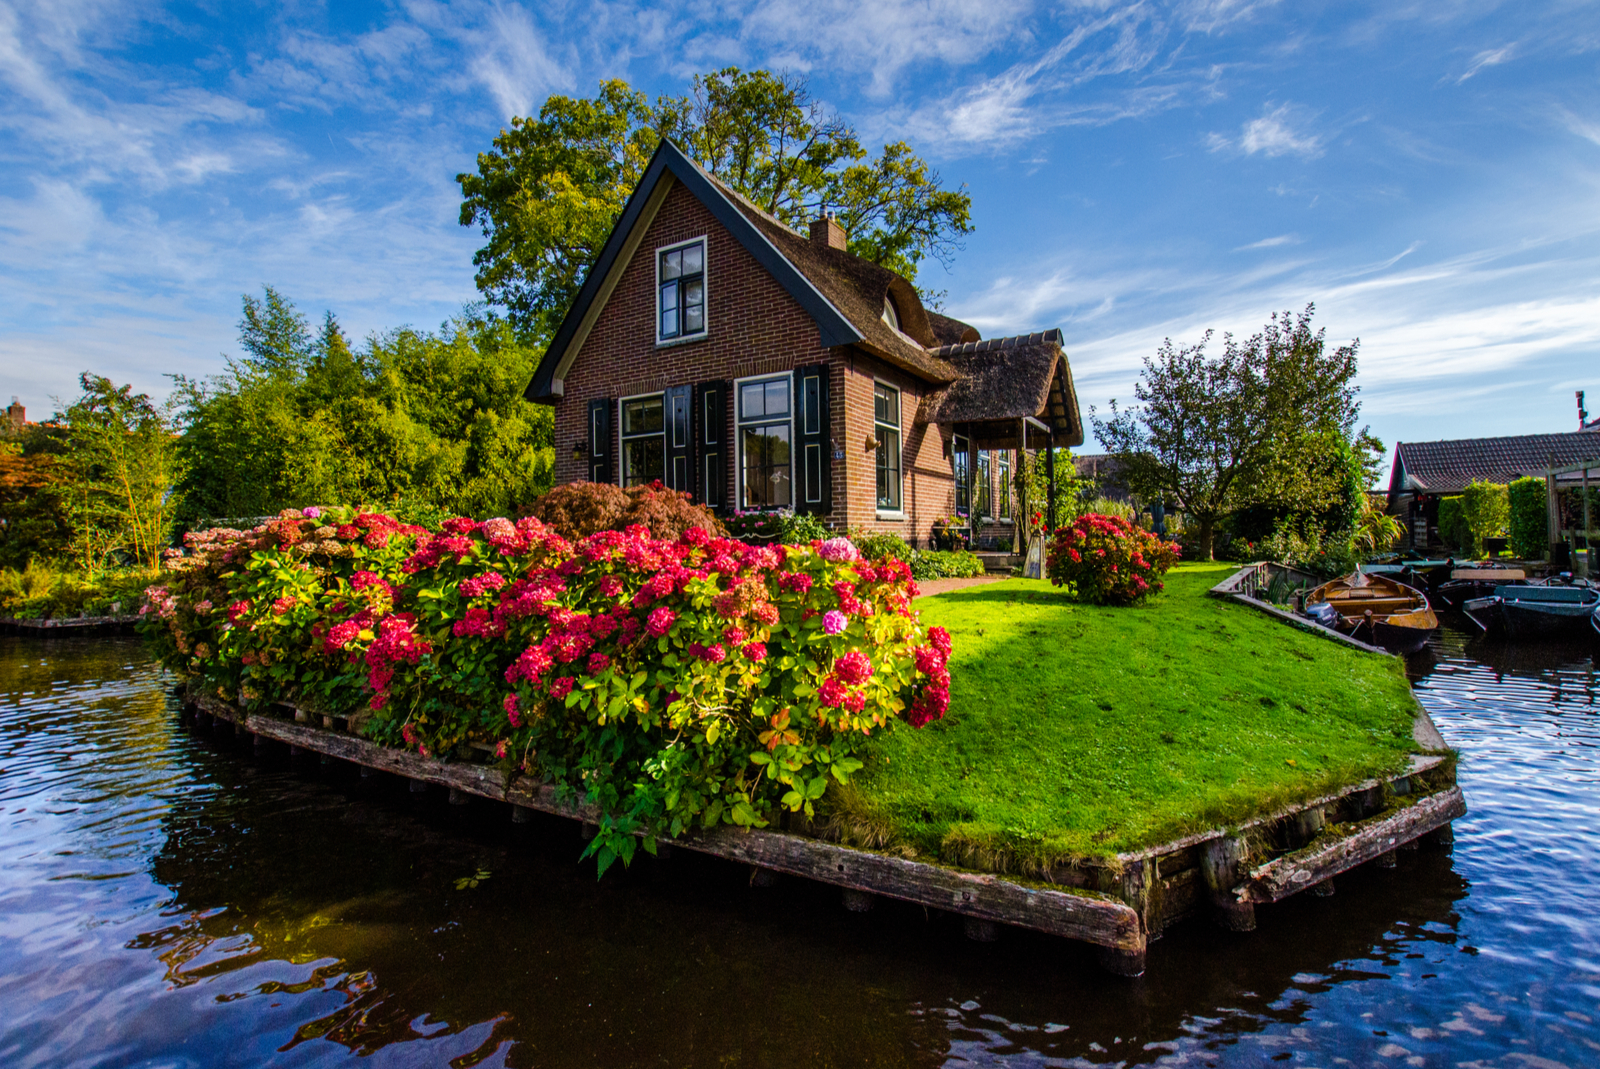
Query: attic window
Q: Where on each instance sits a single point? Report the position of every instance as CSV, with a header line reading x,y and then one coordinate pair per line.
x,y
890,316
681,291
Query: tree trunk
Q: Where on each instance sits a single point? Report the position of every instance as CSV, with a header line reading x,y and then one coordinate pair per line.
x,y
1207,536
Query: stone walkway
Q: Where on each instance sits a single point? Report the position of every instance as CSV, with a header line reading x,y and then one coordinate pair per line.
x,y
941,586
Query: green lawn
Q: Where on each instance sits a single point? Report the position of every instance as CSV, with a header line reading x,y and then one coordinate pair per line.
x,y
1076,731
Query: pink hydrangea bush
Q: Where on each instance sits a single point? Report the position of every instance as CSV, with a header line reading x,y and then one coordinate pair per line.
x,y
673,683
1108,561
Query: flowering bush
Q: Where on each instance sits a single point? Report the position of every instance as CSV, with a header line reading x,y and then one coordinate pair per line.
x,y
1107,560
789,528
671,683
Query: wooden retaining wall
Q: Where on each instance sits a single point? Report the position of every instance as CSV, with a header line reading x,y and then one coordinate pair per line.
x,y
1243,586
1118,905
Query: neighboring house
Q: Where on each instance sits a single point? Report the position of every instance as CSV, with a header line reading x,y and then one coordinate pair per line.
x,y
717,350
16,415
1424,472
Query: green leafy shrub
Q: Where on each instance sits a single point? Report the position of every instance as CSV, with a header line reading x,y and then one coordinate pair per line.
x,y
1452,522
1486,508
39,592
944,564
1529,519
1108,561
882,546
672,684
785,528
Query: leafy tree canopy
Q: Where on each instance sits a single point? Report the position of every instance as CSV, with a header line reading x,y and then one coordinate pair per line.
x,y
549,190
1269,420
430,420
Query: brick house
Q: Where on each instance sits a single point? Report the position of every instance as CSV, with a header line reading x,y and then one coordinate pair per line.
x,y
717,350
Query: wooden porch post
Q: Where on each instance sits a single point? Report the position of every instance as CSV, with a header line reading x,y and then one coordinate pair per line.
x,y
1050,476
1553,505
972,490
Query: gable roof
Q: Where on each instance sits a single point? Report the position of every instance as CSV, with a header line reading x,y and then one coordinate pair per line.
x,y
669,163
1446,467
1008,378
843,294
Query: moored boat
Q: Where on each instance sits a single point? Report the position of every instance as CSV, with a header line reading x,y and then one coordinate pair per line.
x,y
1375,609
1465,584
1522,611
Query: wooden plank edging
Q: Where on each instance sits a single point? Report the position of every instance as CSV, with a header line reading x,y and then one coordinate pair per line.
x,y
1087,916
1278,879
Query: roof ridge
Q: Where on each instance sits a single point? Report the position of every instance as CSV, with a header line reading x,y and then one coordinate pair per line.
x,y
1040,337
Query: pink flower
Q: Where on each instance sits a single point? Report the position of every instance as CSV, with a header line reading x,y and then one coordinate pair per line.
x,y
660,622
834,621
734,636
940,638
756,651
832,693
283,604
838,549
312,513
853,667
511,712
598,662
562,687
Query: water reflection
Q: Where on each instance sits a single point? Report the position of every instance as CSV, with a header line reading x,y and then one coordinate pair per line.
x,y
174,898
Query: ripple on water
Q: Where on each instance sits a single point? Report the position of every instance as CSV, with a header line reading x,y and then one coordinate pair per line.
x,y
170,898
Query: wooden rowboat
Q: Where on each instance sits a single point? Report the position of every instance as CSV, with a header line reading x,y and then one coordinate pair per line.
x,y
1375,609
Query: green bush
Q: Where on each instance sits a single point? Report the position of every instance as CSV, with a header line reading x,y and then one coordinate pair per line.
x,y
877,546
1530,519
1485,507
785,528
39,592
1453,524
944,564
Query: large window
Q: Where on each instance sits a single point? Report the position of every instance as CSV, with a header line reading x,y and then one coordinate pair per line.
x,y
681,282
1004,462
764,463
886,420
958,462
643,440
983,507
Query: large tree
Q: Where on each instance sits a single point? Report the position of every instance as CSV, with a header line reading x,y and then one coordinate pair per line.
x,y
549,190
1269,420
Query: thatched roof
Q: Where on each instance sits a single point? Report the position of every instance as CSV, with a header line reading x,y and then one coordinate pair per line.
x,y
1005,379
951,331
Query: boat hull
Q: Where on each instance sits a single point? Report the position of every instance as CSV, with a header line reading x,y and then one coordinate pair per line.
x,y
1380,610
1536,612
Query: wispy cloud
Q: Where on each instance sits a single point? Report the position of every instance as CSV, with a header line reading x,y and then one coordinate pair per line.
x,y
1490,58
1271,243
1280,130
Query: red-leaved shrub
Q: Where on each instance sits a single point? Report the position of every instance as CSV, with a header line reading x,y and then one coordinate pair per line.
x,y
1107,560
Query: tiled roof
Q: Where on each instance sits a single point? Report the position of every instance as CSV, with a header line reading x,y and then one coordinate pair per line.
x,y
1447,467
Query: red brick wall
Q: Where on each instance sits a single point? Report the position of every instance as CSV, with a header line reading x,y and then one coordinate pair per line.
x,y
754,328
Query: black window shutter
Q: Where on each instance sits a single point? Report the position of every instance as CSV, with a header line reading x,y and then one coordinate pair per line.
x,y
813,444
679,404
600,438
710,428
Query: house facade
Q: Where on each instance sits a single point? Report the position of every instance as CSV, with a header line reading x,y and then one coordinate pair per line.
x,y
757,368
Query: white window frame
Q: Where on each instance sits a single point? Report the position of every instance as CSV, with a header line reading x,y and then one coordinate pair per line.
x,y
958,449
899,437
1003,465
623,437
705,282
739,423
985,490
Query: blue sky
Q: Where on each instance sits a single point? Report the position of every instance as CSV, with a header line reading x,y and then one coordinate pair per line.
x,y
1426,173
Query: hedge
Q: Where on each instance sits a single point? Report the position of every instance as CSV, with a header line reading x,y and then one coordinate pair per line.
x,y
1530,519
670,683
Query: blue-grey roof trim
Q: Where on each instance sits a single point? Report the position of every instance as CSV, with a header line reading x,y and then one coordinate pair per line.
x,y
832,327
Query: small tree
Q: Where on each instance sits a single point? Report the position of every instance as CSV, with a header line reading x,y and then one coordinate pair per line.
x,y
1486,507
1214,433
122,459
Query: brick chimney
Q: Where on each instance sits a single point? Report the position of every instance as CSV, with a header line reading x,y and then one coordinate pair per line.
x,y
16,415
827,231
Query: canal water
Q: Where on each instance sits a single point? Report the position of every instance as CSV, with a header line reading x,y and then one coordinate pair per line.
x,y
172,899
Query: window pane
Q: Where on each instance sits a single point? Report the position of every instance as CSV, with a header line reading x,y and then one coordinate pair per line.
x,y
751,404
886,405
669,310
671,265
888,469
778,397
642,416
693,259
764,481
694,293
694,320
642,460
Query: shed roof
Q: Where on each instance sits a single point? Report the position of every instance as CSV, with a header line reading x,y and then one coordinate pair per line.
x,y
1446,467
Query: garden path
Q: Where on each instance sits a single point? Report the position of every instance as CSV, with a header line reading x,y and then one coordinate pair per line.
x,y
930,587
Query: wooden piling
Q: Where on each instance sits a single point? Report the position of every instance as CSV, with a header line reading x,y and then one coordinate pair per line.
x,y
1222,868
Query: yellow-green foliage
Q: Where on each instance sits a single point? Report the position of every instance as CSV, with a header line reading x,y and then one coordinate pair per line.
x,y
1077,731
40,592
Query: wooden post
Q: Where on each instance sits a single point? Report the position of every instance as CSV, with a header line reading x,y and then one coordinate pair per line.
x,y
972,490
1588,549
1050,480
1552,503
1119,962
1222,866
